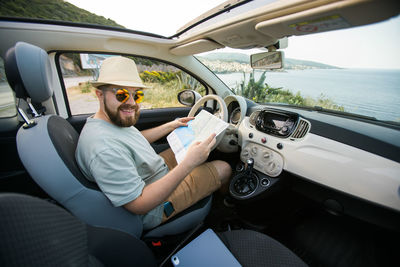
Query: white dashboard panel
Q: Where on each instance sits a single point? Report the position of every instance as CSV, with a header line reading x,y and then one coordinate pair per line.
x,y
265,159
334,164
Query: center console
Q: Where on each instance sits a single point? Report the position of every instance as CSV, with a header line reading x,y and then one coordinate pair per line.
x,y
262,138
248,182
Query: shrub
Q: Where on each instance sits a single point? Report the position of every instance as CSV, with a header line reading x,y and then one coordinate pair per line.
x,y
261,92
85,87
165,87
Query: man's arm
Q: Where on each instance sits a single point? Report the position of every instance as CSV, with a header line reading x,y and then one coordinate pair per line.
x,y
156,193
156,133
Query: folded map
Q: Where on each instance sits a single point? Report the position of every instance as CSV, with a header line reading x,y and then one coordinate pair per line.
x,y
198,129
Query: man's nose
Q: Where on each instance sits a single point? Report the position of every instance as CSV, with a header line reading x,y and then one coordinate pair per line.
x,y
131,99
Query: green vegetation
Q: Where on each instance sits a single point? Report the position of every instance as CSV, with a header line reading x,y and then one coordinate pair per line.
x,y
177,79
261,92
158,76
161,96
86,88
165,87
52,10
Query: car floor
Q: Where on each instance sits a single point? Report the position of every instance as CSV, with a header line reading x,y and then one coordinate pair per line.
x,y
315,235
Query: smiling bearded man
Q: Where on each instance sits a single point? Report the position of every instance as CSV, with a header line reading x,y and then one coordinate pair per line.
x,y
120,159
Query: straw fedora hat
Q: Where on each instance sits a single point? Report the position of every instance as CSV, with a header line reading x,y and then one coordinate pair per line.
x,y
120,71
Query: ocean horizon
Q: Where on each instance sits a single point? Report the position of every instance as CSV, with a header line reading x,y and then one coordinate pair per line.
x,y
369,92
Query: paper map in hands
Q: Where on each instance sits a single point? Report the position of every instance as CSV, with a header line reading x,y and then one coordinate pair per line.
x,y
199,129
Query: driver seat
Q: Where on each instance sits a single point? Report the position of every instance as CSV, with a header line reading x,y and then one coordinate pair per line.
x,y
46,147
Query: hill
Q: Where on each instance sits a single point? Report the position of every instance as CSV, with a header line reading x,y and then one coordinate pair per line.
x,y
227,57
58,10
221,61
291,63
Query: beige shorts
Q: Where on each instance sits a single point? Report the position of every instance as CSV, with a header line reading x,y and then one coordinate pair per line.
x,y
201,182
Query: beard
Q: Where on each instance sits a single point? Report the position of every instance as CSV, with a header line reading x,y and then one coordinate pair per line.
x,y
116,118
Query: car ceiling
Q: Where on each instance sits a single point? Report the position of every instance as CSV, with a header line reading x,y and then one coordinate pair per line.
x,y
265,25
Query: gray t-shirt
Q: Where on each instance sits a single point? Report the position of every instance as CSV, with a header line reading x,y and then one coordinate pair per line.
x,y
121,161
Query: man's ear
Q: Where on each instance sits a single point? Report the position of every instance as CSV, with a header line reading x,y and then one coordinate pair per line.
x,y
99,94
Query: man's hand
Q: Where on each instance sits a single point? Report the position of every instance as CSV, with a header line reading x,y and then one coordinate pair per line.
x,y
156,133
172,125
198,152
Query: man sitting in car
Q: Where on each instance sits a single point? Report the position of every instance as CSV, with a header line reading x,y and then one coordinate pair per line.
x,y
120,159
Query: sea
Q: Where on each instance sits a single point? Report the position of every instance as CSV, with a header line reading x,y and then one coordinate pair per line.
x,y
369,92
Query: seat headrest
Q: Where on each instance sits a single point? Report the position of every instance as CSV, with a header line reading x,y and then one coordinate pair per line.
x,y
29,72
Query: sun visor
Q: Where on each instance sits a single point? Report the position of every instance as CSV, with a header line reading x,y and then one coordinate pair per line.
x,y
329,17
195,47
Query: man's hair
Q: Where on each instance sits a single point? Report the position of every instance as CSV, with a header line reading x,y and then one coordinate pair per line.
x,y
103,87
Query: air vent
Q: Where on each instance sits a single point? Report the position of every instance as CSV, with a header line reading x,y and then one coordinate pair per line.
x,y
302,129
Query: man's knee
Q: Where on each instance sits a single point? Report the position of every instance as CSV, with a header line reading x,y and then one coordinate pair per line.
x,y
224,170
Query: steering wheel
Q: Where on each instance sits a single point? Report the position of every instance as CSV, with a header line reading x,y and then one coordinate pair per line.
x,y
223,113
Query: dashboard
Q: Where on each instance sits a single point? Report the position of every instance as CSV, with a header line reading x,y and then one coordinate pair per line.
x,y
266,125
281,140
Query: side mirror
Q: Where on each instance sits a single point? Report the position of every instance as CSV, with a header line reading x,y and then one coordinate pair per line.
x,y
188,97
267,60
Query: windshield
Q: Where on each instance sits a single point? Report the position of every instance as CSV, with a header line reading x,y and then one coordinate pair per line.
x,y
355,71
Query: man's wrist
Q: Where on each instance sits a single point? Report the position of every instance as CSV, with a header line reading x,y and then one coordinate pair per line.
x,y
188,166
170,126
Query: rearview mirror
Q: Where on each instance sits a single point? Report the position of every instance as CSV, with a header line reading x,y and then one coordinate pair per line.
x,y
188,97
267,60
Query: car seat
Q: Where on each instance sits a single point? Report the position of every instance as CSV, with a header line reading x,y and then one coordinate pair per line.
x,y
35,232
46,146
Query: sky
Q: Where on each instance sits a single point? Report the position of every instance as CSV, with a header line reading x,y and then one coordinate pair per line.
x,y
372,47
162,17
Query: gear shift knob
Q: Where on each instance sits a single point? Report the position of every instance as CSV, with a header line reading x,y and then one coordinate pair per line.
x,y
249,166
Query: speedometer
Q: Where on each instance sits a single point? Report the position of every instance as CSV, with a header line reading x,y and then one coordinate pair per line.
x,y
235,116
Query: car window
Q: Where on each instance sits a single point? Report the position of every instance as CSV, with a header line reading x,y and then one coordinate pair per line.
x,y
7,98
165,81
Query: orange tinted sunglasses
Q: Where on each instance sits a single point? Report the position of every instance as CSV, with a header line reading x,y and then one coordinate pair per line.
x,y
122,95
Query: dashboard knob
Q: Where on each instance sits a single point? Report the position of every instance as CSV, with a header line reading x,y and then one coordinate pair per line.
x,y
266,156
271,166
254,151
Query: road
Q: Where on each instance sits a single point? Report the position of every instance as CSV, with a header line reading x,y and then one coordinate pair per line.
x,y
74,81
82,103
